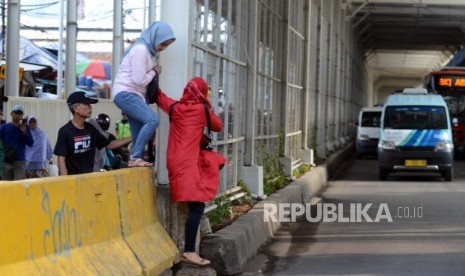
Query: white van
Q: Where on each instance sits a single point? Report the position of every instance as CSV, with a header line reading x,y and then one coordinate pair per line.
x,y
416,134
368,127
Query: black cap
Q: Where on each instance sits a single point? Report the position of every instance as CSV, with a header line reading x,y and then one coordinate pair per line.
x,y
80,97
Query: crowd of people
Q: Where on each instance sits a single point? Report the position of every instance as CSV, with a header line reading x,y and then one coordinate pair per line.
x,y
27,150
85,145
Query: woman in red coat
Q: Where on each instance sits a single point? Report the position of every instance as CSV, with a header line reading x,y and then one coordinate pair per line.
x,y
193,173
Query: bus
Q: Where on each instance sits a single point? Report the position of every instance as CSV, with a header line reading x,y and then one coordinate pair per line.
x,y
449,82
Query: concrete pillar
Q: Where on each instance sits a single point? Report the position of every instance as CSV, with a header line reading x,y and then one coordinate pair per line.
x,y
250,118
176,61
307,156
322,95
253,177
287,163
311,74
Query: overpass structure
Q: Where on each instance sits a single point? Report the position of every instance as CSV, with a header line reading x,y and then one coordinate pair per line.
x,y
405,40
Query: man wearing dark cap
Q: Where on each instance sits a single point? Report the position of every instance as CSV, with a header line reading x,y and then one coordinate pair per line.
x,y
14,136
78,140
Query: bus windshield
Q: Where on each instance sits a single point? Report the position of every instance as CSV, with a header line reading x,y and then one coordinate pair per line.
x,y
456,104
415,117
449,82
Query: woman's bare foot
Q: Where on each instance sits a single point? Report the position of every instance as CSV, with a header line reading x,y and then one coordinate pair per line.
x,y
193,258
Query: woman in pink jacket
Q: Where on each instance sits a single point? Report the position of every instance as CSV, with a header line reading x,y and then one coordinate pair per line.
x,y
193,173
135,72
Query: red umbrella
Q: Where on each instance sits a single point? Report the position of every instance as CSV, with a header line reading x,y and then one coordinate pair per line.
x,y
97,69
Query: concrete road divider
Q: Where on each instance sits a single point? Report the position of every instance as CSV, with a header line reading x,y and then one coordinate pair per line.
x,y
141,228
90,224
15,229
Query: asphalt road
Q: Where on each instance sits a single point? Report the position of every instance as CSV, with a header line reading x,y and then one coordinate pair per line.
x,y
425,236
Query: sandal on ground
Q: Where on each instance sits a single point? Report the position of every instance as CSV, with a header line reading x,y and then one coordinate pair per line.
x,y
194,259
138,162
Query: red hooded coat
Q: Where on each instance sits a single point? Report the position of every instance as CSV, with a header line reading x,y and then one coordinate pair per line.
x,y
193,173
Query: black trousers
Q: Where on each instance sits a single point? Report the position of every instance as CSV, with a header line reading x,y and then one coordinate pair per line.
x,y
196,210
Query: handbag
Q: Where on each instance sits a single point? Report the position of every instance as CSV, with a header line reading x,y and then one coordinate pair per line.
x,y
206,142
152,90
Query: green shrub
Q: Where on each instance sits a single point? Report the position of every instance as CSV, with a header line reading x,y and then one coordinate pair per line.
x,y
298,172
248,196
222,211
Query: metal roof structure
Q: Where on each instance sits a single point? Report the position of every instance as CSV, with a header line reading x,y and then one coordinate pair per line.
x,y
407,38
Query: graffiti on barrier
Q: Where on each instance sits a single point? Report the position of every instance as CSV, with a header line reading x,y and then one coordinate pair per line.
x,y
63,231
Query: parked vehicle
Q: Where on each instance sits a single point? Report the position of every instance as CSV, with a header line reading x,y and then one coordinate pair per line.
x,y
416,134
48,89
449,82
368,128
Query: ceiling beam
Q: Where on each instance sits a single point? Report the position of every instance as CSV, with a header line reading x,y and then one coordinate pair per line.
x,y
403,9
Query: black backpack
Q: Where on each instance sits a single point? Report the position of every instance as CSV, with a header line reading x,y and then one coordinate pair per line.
x,y
152,90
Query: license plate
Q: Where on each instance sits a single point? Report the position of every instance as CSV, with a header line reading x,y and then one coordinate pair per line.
x,y
415,163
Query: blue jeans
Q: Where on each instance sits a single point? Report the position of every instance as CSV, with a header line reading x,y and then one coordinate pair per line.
x,y
143,121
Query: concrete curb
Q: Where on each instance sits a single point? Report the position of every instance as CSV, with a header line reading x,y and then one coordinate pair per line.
x,y
231,247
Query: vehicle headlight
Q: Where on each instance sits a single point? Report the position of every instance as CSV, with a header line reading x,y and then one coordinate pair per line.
x,y
363,137
444,146
387,145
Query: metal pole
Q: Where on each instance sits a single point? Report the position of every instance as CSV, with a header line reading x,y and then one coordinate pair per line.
x,y
12,50
117,37
251,116
3,28
144,15
60,52
71,35
152,11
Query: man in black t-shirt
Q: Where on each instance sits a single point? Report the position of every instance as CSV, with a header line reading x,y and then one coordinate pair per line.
x,y
78,140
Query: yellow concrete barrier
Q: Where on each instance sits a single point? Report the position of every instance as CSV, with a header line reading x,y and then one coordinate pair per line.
x,y
15,228
141,228
74,226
